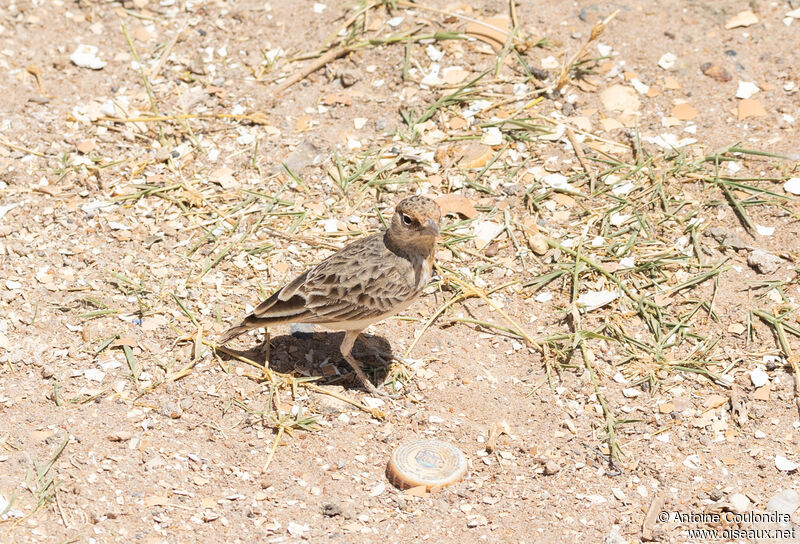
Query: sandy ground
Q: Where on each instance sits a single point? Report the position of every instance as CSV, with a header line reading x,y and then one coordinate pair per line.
x,y
643,266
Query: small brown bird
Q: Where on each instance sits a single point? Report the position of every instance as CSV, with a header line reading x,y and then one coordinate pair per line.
x,y
364,282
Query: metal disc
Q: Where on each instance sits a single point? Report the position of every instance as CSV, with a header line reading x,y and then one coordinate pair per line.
x,y
432,463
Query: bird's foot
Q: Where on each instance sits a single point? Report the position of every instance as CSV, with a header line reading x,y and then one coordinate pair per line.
x,y
355,364
383,357
382,394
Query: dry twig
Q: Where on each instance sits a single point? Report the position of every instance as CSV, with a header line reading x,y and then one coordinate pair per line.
x,y
576,146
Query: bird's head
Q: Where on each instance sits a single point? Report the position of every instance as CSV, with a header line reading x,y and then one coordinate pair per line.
x,y
416,221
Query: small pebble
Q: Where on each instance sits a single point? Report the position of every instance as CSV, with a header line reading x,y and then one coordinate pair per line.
x,y
349,77
784,502
739,503
331,510
763,262
171,410
550,468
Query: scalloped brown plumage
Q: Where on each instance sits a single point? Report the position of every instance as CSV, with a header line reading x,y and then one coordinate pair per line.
x,y
364,282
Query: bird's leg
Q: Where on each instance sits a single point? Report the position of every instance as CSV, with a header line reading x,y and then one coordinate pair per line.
x,y
346,348
264,348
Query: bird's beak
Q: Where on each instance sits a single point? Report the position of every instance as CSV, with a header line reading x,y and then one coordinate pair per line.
x,y
431,227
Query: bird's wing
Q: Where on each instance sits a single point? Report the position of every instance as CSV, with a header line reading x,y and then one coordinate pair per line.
x,y
364,280
283,304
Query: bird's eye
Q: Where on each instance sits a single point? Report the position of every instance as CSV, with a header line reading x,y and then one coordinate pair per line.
x,y
406,219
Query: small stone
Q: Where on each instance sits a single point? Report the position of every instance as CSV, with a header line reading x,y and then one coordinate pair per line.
x,y
763,262
622,99
416,491
297,530
784,502
458,123
94,374
48,371
684,112
716,72
477,520
86,146
373,402
538,243
739,503
613,537
120,436
476,156
377,490
224,176
348,78
485,232
550,468
631,392
171,410
492,136
141,34
454,75
305,154
736,328
331,510
672,84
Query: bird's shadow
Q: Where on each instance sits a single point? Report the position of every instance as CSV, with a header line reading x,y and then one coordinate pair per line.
x,y
317,354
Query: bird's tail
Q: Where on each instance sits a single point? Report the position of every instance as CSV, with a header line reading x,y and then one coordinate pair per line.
x,y
251,322
232,333
273,311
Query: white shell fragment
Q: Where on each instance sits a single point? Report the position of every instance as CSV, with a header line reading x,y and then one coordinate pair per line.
x,y
485,231
492,136
596,299
746,89
670,141
667,61
759,377
764,230
792,186
784,464
85,56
